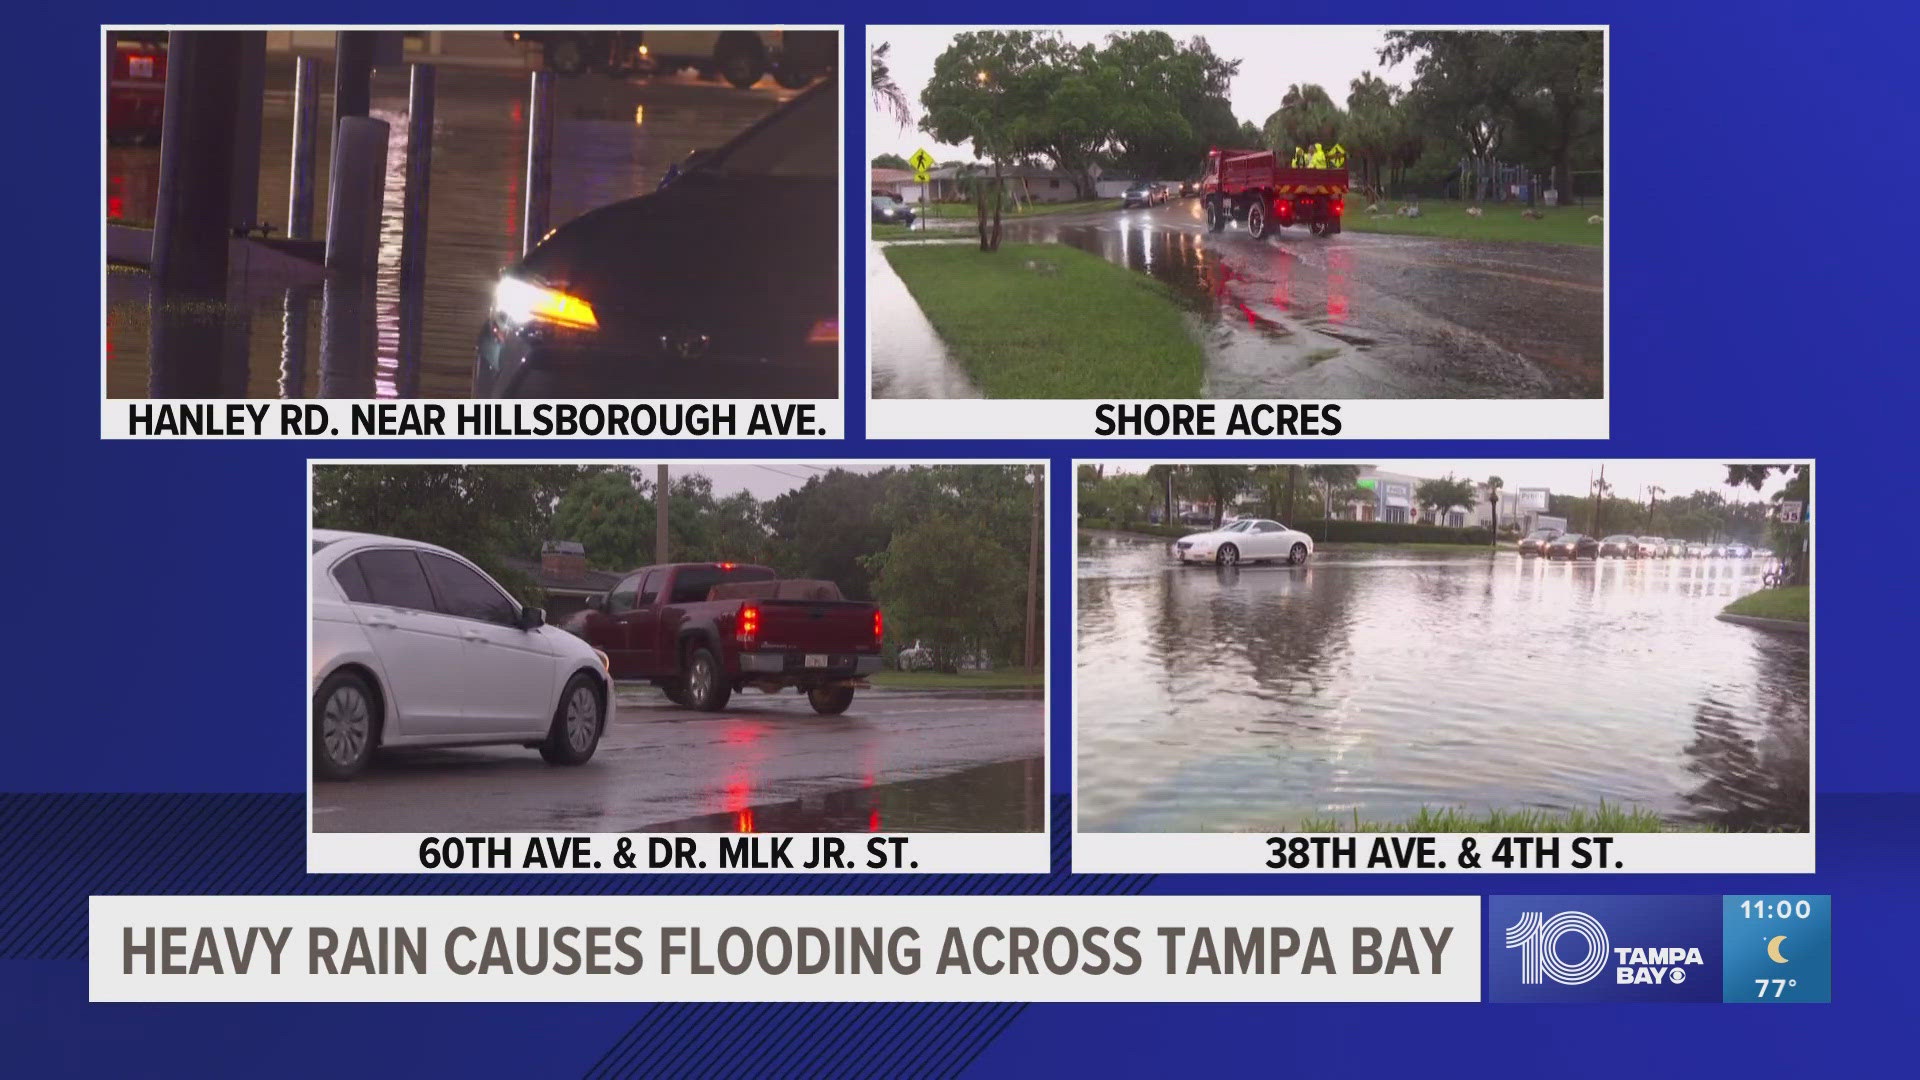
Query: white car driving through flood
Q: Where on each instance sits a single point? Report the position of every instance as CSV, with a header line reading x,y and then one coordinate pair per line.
x,y
1245,540
415,646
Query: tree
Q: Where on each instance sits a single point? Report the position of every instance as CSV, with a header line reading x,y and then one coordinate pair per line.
x,y
891,161
487,513
1436,496
1221,484
1788,539
1307,115
887,95
995,89
1494,484
824,528
1332,479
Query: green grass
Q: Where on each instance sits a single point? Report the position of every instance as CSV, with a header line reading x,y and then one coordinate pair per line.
x,y
1789,603
1012,678
902,232
1500,221
971,213
1049,321
1609,818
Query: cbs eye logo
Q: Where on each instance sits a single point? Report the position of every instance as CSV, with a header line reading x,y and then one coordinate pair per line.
x,y
1538,940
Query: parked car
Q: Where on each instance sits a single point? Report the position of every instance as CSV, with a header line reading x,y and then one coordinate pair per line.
x,y
1142,193
1573,546
1535,542
415,646
1245,540
1676,549
1697,550
1620,546
702,631
888,211
1739,551
1651,547
723,284
915,657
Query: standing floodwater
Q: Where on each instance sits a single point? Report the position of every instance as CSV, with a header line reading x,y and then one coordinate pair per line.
x,y
1380,683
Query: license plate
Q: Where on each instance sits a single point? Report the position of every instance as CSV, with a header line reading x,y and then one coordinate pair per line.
x,y
816,660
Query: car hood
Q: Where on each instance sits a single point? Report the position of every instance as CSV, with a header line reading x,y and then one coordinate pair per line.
x,y
1211,537
712,249
564,644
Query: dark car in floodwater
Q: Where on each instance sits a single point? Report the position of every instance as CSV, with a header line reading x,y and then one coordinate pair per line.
x,y
724,283
1535,542
889,211
1573,546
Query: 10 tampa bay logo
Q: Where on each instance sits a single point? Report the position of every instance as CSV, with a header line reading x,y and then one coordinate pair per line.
x,y
1605,948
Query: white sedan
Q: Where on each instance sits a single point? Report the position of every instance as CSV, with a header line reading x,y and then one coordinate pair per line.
x,y
1246,540
415,646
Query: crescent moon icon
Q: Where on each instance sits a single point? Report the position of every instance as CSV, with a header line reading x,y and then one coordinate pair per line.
x,y
1773,949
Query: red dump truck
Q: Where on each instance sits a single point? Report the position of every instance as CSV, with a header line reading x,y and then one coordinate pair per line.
x,y
701,631
1253,187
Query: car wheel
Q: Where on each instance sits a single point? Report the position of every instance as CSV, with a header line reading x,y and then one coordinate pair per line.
x,y
1257,219
1216,215
567,54
1228,555
830,700
742,63
1297,555
707,688
345,726
577,723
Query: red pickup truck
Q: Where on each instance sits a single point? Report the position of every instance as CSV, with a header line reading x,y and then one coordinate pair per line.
x,y
1252,186
701,631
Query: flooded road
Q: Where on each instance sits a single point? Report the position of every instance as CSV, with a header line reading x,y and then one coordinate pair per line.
x,y
1382,682
895,761
1362,315
909,359
613,139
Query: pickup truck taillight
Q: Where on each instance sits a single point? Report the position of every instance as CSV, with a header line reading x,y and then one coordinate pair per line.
x,y
876,626
746,628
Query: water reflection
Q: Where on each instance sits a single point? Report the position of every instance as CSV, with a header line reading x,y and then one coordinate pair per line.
x,y
1382,683
1003,797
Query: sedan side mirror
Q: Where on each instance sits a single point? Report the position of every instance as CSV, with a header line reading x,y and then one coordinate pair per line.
x,y
532,618
598,602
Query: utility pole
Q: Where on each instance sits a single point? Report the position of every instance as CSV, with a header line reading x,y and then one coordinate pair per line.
x,y
1033,571
1598,492
660,517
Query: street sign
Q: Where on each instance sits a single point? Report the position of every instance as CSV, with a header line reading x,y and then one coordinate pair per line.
x,y
919,176
1788,513
921,160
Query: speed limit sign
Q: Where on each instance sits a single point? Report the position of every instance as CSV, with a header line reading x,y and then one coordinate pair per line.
x,y
1789,513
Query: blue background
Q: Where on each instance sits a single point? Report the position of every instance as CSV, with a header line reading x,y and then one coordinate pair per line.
x,y
1631,922
1761,213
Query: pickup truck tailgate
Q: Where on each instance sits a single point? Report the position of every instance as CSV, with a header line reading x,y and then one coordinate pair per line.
x,y
816,626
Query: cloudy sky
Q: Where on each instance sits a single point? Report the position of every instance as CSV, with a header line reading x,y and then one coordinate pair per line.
x,y
1629,477
1273,57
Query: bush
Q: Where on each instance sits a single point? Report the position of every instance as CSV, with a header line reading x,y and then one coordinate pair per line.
x,y
1389,532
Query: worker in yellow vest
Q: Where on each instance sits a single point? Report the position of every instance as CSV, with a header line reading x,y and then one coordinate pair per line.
x,y
1299,157
1318,159
1337,157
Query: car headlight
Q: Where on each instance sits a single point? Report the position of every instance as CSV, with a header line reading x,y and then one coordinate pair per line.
x,y
606,662
524,302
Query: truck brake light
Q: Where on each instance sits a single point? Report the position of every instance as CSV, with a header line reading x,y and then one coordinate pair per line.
x,y
877,626
1339,207
746,628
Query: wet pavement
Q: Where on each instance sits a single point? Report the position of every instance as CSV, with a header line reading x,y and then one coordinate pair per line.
x,y
895,761
1382,682
1361,315
909,359
613,139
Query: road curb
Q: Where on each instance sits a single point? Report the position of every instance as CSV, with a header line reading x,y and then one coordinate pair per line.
x,y
1778,626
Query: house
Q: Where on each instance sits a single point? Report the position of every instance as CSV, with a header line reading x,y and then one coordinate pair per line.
x,y
1024,183
564,578
892,181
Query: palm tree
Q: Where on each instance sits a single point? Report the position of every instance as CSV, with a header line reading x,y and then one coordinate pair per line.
x,y
1494,484
887,94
